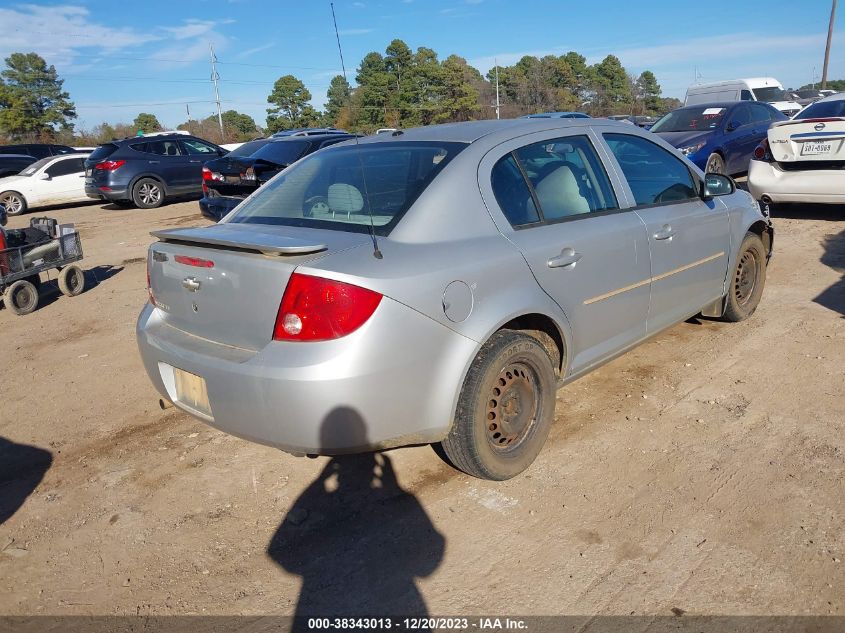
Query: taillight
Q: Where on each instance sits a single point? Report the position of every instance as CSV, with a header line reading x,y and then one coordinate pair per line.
x,y
207,174
110,165
761,152
317,309
149,285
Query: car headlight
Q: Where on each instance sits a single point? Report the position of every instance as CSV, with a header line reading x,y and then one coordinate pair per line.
x,y
692,149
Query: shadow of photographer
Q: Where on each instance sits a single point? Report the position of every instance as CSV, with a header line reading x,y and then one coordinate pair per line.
x,y
357,539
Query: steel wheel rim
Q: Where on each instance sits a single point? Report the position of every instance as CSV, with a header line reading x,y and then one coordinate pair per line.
x,y
149,193
745,279
13,204
513,407
714,165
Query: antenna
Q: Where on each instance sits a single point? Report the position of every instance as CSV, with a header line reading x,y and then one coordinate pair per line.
x,y
215,78
376,252
496,62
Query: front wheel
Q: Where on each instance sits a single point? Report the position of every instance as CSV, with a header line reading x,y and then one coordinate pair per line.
x,y
21,297
147,194
505,409
715,164
14,202
747,280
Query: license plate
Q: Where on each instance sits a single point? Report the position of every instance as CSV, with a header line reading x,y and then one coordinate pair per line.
x,y
191,391
814,149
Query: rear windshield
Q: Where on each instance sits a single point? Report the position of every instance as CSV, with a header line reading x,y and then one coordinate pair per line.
x,y
248,148
690,119
769,94
34,167
282,152
103,152
347,188
823,109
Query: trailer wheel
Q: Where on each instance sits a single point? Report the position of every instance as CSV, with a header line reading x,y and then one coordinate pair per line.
x,y
21,297
71,280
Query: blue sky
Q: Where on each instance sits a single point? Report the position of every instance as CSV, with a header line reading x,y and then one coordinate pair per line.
x,y
120,58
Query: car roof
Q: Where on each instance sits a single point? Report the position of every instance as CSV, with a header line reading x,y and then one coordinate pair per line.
x,y
834,97
170,136
309,137
472,131
717,104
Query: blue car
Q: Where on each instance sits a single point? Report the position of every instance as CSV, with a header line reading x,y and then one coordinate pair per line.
x,y
718,137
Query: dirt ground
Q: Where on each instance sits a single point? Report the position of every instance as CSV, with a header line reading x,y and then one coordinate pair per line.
x,y
703,471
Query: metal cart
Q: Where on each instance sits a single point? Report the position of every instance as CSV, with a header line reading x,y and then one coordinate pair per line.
x,y
20,267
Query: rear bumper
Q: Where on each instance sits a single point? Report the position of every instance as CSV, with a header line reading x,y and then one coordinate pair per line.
x,y
215,208
393,382
114,193
812,186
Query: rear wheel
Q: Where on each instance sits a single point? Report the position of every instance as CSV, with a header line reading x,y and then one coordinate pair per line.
x,y
21,297
715,164
71,280
747,281
505,409
147,194
14,202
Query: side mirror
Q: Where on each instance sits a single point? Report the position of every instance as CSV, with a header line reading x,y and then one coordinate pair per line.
x,y
3,217
716,185
43,176
732,126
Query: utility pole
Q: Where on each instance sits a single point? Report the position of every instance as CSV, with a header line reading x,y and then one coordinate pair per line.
x,y
497,87
827,46
215,78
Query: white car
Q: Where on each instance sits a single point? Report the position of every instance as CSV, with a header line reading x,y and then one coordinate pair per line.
x,y
801,160
49,181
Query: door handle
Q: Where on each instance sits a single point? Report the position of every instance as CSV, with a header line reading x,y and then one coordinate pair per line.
x,y
153,162
567,259
666,233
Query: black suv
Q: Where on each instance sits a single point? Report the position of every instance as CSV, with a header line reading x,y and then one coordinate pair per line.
x,y
145,170
38,150
227,181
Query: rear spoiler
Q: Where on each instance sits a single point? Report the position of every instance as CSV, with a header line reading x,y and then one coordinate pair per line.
x,y
234,237
819,120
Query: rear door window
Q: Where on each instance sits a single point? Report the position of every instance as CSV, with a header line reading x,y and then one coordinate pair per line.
x,y
163,148
567,177
654,175
512,193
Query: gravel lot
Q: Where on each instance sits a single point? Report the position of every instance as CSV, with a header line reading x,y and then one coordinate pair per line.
x,y
703,471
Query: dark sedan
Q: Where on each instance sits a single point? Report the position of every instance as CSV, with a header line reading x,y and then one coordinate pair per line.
x,y
227,181
718,137
11,164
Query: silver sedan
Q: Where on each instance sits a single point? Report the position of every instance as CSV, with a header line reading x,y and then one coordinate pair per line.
x,y
438,285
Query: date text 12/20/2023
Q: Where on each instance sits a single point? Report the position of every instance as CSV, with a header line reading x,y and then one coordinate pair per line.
x,y
415,624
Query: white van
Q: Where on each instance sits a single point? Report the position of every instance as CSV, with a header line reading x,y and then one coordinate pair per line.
x,y
766,89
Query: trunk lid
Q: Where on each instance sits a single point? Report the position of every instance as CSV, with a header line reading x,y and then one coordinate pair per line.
x,y
228,280
808,140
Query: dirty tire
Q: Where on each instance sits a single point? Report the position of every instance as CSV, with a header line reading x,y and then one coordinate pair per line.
x,y
21,297
14,202
71,280
148,194
747,279
505,409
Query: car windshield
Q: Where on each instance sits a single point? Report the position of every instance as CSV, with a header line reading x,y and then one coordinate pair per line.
x,y
248,148
823,109
34,167
769,94
282,152
691,119
347,188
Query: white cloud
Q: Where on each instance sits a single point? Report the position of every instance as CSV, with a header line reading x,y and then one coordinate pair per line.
x,y
252,51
